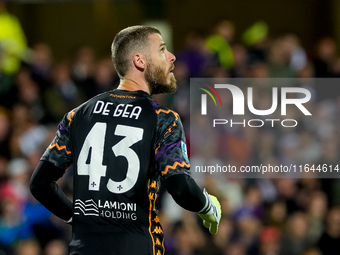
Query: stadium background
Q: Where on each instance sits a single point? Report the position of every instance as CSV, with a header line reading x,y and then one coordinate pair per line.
x,y
65,59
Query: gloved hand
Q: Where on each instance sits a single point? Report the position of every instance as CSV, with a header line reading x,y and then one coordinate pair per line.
x,y
211,213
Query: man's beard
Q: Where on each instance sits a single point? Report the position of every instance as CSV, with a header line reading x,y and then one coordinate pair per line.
x,y
157,80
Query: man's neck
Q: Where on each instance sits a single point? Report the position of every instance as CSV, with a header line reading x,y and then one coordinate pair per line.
x,y
133,85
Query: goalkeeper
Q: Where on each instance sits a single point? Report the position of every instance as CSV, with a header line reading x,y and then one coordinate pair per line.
x,y
121,144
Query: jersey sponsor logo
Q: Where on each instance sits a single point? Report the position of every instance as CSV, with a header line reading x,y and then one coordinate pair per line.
x,y
117,210
157,230
106,209
121,110
89,207
118,215
185,151
122,96
158,242
117,205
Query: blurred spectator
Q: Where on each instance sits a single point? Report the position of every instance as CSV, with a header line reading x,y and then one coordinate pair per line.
x,y
297,54
21,121
18,171
13,49
64,95
189,240
269,240
325,57
196,55
287,190
248,219
12,42
55,247
307,72
5,129
247,231
309,148
223,238
82,69
29,93
31,139
3,169
330,238
316,213
27,247
105,77
42,223
252,204
220,42
41,65
258,70
312,251
240,61
279,58
255,39
13,224
235,248
277,214
295,237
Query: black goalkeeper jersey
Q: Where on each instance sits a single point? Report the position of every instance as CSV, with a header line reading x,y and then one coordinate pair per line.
x,y
120,144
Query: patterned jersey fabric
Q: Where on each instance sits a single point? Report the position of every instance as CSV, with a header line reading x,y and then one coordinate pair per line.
x,y
120,144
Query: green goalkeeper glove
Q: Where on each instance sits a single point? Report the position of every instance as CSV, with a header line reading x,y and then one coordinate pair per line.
x,y
211,213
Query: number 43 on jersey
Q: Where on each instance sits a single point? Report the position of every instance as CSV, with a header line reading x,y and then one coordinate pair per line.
x,y
93,151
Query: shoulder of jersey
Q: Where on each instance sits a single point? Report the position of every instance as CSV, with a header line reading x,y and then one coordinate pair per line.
x,y
164,112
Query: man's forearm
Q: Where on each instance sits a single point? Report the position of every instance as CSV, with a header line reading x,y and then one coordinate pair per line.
x,y
44,188
185,192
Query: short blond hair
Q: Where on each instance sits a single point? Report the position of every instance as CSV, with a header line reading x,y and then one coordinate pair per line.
x,y
127,42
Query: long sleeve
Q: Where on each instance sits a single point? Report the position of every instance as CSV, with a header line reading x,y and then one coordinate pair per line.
x,y
185,192
45,189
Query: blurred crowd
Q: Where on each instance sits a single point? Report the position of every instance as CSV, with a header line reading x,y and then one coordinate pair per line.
x,y
260,216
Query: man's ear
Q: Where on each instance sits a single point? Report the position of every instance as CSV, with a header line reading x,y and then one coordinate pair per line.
x,y
139,60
